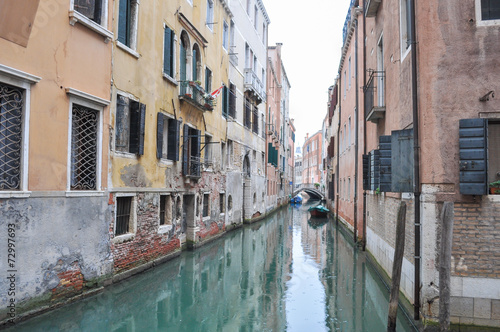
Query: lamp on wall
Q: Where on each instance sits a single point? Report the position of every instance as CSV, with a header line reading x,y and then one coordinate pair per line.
x,y
486,97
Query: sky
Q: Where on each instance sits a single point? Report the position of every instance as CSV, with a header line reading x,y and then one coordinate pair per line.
x,y
311,33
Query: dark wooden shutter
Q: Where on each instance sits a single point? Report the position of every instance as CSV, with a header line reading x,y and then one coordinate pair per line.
x,y
174,129
197,152
232,100
385,163
490,9
122,124
159,134
185,150
269,152
142,128
194,65
225,95
183,64
374,169
135,123
366,172
473,156
167,52
124,22
402,161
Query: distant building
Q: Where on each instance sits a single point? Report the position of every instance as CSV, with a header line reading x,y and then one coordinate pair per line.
x,y
312,159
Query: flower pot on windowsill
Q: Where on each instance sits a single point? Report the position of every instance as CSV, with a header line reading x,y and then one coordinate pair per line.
x,y
188,95
495,191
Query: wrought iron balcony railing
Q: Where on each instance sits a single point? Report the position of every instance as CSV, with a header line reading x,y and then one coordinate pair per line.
x,y
254,84
194,94
375,96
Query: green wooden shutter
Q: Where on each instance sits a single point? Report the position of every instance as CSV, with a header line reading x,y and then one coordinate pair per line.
x,y
402,160
197,153
269,152
159,134
142,127
185,150
225,101
385,163
168,52
183,68
124,22
135,122
473,143
194,65
366,172
374,169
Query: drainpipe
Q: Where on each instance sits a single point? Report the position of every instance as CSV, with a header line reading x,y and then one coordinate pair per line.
x,y
356,125
338,149
364,128
416,169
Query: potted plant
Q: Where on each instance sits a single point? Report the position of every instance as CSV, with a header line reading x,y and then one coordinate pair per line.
x,y
495,187
316,185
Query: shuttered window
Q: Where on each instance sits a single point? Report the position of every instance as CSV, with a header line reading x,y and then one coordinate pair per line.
x,y
130,126
167,135
225,101
490,9
385,163
473,156
402,161
191,144
124,18
168,52
232,100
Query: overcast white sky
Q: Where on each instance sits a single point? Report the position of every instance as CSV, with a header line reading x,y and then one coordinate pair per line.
x,y
311,33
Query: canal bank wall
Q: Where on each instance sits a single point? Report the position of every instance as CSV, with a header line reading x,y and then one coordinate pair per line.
x,y
81,265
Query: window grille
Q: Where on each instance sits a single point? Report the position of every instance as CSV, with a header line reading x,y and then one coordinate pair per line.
x,y
84,148
205,205
11,111
123,206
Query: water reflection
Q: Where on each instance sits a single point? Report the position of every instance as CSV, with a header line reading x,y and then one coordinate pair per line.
x,y
282,274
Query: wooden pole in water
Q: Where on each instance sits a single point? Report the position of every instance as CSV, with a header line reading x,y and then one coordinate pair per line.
x,y
396,267
445,265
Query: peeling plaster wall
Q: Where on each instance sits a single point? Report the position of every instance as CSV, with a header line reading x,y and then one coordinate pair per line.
x,y
62,247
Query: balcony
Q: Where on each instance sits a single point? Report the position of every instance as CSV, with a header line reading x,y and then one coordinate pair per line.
x,y
375,96
371,7
192,93
254,85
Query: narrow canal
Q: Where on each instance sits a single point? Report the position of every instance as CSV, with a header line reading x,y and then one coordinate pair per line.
x,y
283,274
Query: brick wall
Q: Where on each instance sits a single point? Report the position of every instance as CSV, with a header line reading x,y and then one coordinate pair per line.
x,y
147,244
476,234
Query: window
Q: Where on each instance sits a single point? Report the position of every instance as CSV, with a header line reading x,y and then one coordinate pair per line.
x,y
130,125
349,133
165,210
405,26
208,80
191,143
264,33
222,201
127,23
225,101
168,52
350,75
223,154
210,14
255,17
248,6
125,218
84,140
208,150
232,100
345,83
230,152
206,199
255,120
167,137
225,36
248,114
349,189
92,9
479,155
490,10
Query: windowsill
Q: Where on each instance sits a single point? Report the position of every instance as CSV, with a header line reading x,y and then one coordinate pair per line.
x,y
128,50
84,193
164,229
75,16
493,198
170,79
487,23
127,155
123,238
207,218
15,194
166,162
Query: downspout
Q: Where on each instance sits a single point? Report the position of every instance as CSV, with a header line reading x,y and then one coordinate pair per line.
x,y
416,158
338,150
364,127
356,126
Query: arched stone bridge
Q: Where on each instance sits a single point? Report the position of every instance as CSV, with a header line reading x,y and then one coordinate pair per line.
x,y
313,193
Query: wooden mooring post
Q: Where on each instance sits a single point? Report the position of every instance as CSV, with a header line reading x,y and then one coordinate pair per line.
x,y
396,267
445,265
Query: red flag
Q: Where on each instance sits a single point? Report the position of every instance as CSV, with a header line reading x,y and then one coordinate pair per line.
x,y
217,92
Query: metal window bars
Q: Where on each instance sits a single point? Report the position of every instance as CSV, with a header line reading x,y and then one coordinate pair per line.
x,y
11,119
123,207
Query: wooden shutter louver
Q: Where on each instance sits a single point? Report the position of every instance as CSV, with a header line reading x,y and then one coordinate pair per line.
x,y
385,163
402,161
473,156
167,52
159,135
374,171
135,123
366,172
174,129
185,149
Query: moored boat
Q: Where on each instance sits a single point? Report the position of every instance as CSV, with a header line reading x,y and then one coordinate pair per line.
x,y
318,211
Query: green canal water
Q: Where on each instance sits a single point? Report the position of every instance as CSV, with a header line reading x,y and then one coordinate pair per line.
x,y
286,273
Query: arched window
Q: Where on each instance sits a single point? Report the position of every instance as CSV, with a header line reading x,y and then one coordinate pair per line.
x,y
183,62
